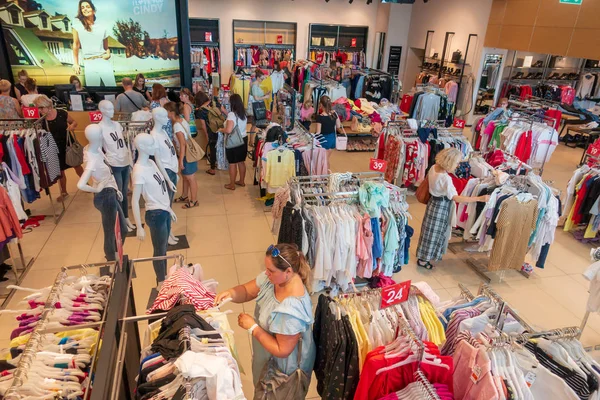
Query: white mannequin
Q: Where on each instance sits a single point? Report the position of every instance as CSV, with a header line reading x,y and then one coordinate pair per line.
x,y
144,143
107,109
93,134
161,118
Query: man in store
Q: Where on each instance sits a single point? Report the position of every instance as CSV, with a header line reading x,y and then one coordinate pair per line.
x,y
130,101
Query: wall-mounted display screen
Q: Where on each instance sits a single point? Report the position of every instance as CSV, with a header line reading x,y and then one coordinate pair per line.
x,y
100,41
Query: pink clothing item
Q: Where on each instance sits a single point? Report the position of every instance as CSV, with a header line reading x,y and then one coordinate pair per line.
x,y
567,95
466,357
489,129
365,262
451,91
306,113
318,164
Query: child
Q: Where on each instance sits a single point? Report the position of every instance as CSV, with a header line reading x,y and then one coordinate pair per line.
x,y
306,113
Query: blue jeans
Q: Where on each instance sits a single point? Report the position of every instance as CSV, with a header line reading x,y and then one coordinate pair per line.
x,y
159,223
173,178
121,175
107,203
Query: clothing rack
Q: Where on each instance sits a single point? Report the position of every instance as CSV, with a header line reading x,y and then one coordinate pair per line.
x,y
532,118
23,123
427,388
184,337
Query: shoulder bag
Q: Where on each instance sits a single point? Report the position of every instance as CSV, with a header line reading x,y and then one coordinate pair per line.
x,y
273,384
234,139
422,194
193,151
74,151
132,102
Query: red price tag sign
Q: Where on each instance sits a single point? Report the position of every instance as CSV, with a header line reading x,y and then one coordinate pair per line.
x,y
31,113
377,165
459,123
208,36
353,42
279,39
593,150
269,115
119,242
95,116
395,294
239,63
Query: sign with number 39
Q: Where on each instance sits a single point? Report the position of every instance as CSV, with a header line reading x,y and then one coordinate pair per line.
x,y
377,165
395,294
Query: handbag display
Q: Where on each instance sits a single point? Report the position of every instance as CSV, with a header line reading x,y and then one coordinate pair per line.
x,y
273,384
74,152
234,139
422,194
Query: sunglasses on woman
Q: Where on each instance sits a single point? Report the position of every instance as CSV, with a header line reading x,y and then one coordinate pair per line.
x,y
276,253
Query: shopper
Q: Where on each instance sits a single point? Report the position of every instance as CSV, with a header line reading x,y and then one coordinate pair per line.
x,y
140,86
306,113
257,93
130,101
188,169
236,122
32,93
74,80
283,314
60,124
327,125
437,224
159,96
20,85
10,108
209,117
189,109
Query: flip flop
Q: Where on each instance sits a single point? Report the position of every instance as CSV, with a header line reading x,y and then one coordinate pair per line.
x,y
180,199
229,187
427,265
190,204
210,173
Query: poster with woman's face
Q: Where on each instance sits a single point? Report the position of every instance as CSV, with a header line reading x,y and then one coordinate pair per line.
x,y
100,41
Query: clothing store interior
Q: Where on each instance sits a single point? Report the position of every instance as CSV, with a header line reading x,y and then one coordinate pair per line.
x,y
317,199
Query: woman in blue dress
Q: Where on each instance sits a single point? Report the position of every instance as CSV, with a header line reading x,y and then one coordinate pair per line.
x,y
283,319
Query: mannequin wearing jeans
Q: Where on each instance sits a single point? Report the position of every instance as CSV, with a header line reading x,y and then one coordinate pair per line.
x,y
117,153
107,198
152,181
165,151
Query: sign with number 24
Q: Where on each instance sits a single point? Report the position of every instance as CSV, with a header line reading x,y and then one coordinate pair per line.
x,y
395,294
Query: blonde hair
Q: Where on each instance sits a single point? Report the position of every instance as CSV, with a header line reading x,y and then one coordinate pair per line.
x,y
292,254
448,159
4,86
43,101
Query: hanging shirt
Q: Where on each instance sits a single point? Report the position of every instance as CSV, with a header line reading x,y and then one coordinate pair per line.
x,y
114,145
154,186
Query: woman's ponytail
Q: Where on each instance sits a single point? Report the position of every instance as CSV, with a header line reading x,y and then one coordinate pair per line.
x,y
304,270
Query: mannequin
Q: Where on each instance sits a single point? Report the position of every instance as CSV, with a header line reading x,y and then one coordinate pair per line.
x,y
107,197
117,153
151,180
165,152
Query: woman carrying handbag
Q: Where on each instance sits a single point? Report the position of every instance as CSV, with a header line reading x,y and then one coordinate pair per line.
x,y
236,142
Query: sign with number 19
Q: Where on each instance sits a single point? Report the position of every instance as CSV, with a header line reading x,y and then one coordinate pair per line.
x,y
31,113
395,294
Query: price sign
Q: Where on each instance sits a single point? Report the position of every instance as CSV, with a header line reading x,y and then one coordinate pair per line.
x,y
269,115
95,116
119,242
279,39
239,63
459,123
353,42
208,36
31,113
377,165
593,150
395,294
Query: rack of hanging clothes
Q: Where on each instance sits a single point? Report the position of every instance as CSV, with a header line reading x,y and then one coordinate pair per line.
x,y
430,103
580,205
33,159
531,137
262,56
387,350
410,153
206,60
520,218
58,338
310,210
184,344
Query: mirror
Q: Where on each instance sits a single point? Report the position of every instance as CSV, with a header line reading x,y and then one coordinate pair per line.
x,y
490,74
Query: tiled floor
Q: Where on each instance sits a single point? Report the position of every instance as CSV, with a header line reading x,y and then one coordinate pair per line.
x,y
230,231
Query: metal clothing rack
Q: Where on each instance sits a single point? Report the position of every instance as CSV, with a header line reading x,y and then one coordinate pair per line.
x,y
22,123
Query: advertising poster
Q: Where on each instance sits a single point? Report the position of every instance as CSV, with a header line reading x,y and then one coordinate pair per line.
x,y
100,41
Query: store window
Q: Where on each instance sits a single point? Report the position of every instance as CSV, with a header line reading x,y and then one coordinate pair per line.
x,y
14,16
44,22
66,25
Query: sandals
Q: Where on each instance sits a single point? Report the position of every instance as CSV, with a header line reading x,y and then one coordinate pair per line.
x,y
230,187
425,264
210,171
62,197
190,204
181,199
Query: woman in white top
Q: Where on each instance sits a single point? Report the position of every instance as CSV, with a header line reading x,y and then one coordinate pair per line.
x,y
236,155
32,93
437,224
91,38
181,130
